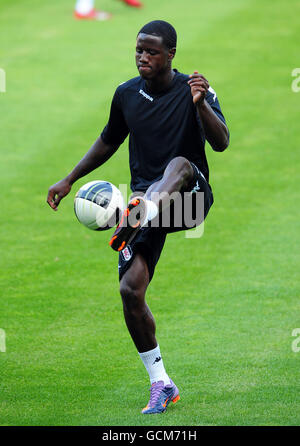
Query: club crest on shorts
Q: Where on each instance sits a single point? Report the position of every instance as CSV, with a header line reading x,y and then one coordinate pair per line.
x,y
127,253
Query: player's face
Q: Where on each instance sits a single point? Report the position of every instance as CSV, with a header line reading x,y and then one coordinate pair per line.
x,y
152,57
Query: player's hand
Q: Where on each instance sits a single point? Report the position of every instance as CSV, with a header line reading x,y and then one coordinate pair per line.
x,y
57,192
199,87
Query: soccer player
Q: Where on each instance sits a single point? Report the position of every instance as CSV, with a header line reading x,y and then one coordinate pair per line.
x,y
84,9
168,116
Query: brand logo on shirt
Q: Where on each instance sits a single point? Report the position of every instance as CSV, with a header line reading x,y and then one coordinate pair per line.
x,y
145,95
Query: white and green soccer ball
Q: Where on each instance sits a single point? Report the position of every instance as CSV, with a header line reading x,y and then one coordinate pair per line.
x,y
98,205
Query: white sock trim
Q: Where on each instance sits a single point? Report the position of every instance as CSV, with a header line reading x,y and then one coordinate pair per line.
x,y
152,211
154,365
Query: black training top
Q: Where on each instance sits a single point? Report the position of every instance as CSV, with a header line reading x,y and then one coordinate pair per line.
x,y
160,127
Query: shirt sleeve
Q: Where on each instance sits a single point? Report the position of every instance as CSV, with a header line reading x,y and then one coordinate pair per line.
x,y
116,130
212,99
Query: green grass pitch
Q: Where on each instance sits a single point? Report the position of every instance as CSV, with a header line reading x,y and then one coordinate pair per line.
x,y
225,304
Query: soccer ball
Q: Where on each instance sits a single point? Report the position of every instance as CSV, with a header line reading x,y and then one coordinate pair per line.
x,y
99,205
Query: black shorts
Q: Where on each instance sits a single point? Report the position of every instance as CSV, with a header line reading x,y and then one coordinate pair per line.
x,y
150,240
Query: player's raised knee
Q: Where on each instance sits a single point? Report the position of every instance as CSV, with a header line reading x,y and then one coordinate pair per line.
x,y
181,166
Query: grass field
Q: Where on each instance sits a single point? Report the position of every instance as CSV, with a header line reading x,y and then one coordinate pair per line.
x,y
225,304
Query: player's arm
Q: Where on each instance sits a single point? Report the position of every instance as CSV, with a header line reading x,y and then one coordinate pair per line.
x,y
216,132
95,157
104,147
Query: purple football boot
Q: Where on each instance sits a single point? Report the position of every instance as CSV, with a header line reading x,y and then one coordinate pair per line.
x,y
160,397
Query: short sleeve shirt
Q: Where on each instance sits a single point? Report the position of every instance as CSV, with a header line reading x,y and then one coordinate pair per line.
x,y
160,127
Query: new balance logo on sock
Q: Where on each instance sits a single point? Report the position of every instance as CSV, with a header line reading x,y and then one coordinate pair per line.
x,y
157,360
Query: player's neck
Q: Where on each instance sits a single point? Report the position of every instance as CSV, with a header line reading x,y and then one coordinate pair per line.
x,y
160,83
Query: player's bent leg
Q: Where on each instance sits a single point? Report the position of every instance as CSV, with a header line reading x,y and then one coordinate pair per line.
x,y
140,210
176,177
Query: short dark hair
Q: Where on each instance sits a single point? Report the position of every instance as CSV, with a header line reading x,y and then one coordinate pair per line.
x,y
161,29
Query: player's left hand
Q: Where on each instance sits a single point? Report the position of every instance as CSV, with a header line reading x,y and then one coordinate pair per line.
x,y
199,87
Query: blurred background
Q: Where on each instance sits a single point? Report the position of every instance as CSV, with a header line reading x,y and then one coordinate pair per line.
x,y
226,334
